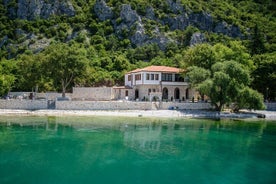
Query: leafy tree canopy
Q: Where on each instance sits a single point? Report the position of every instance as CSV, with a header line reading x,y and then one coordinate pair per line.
x,y
225,82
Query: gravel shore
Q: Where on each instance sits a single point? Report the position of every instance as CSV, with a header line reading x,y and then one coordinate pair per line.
x,y
270,115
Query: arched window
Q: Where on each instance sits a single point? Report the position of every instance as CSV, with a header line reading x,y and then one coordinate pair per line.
x,y
176,94
187,93
165,93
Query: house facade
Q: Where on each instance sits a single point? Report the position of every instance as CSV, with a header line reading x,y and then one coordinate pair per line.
x,y
157,83
145,84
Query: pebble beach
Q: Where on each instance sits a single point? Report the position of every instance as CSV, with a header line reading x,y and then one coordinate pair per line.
x,y
269,115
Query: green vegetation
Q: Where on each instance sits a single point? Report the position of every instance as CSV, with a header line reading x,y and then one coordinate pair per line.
x,y
84,51
224,76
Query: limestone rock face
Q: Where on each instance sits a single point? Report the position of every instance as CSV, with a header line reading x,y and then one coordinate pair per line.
x,y
139,36
229,30
179,22
3,41
197,38
132,23
203,21
175,6
150,13
103,11
32,9
128,15
160,39
129,24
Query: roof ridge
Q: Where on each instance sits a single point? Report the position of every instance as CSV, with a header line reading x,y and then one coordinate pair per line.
x,y
156,68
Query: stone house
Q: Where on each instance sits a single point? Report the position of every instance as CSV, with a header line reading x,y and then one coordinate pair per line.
x,y
157,83
145,84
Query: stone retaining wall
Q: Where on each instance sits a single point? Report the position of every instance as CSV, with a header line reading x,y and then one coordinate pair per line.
x,y
23,104
127,105
99,105
185,106
271,106
102,105
92,93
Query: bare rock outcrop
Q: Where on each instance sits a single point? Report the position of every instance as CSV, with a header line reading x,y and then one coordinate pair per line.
x,y
197,38
32,9
129,24
103,11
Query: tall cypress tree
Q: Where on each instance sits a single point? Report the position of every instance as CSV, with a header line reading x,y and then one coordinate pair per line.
x,y
257,41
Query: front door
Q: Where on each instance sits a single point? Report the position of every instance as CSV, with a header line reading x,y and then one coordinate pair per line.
x,y
176,94
165,94
136,94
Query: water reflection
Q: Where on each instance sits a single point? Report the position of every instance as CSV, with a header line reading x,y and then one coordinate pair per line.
x,y
101,148
175,136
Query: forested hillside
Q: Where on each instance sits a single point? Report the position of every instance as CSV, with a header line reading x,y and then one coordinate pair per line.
x,y
54,45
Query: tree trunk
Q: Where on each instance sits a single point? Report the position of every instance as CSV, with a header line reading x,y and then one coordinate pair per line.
x,y
63,88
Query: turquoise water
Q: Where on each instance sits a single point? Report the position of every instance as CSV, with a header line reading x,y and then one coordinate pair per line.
x,y
136,150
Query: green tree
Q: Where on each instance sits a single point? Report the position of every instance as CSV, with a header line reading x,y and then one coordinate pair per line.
x,y
65,63
30,73
200,55
249,99
257,41
264,76
7,77
219,90
234,51
225,84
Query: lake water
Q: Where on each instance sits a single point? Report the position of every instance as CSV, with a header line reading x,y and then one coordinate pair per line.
x,y
136,150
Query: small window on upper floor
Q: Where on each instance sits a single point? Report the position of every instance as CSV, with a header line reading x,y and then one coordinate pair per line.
x,y
138,77
129,77
148,76
166,77
156,77
151,76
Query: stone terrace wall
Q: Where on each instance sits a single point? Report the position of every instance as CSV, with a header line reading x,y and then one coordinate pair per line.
x,y
23,104
271,106
102,105
95,93
127,105
185,106
99,105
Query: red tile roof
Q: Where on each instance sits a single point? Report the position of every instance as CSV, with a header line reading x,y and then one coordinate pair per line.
x,y
164,69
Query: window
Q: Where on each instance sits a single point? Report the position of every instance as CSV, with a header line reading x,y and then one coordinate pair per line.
x,y
156,77
153,90
126,93
166,77
138,77
129,77
148,77
151,76
149,91
179,78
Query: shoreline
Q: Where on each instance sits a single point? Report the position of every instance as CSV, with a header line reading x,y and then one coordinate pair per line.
x,y
266,115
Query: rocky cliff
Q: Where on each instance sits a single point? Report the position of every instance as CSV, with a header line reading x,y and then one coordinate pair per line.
x,y
32,9
139,28
133,23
